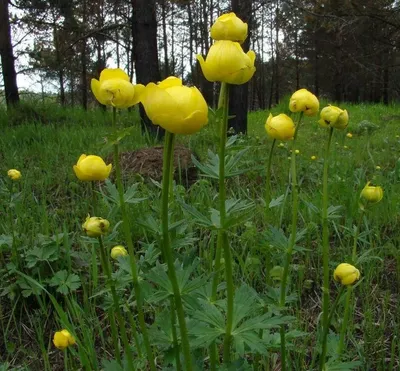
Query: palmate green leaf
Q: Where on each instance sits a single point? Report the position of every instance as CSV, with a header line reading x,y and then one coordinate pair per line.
x,y
41,254
129,195
211,168
198,217
276,201
251,341
65,282
203,335
342,366
237,211
211,315
244,304
28,288
263,322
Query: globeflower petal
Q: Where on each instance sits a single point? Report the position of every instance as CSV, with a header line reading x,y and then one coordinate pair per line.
x,y
95,86
169,82
229,27
113,73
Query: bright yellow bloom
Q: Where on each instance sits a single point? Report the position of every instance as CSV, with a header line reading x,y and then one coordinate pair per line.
x,y
313,158
176,108
332,116
118,251
14,174
63,339
91,168
227,62
304,101
371,193
115,89
280,127
349,135
95,226
296,151
229,27
346,274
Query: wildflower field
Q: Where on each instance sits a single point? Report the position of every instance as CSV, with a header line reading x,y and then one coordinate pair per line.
x,y
281,252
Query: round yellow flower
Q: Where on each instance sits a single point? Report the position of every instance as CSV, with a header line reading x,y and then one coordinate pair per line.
x,y
371,193
304,101
95,226
346,274
227,62
176,108
229,27
345,147
297,152
377,167
115,89
14,174
92,168
349,135
118,251
281,145
332,116
63,339
280,127
313,158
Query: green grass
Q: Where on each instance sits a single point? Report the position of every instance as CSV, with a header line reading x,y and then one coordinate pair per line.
x,y
50,205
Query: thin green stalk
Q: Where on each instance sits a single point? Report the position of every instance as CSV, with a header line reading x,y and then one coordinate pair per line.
x,y
292,241
268,188
14,249
132,259
357,232
133,328
175,336
120,318
94,198
345,321
325,250
168,147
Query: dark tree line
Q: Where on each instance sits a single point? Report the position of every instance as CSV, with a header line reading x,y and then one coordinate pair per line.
x,y
342,50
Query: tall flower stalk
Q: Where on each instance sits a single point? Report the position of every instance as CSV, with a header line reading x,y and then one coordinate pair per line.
x,y
129,242
166,246
268,188
292,241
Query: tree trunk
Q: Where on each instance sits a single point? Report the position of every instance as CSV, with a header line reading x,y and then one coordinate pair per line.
x,y
84,84
7,57
238,98
60,64
145,53
165,37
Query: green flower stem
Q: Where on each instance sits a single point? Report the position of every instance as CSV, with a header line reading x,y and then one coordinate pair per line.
x,y
120,318
223,103
174,335
133,328
292,241
268,188
345,320
132,259
357,232
325,250
94,198
15,257
168,148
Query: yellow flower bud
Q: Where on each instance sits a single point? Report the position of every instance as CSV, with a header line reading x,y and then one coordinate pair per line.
x,y
176,108
346,274
229,27
63,339
313,158
345,147
377,167
281,145
280,127
304,101
115,89
95,226
118,251
14,174
371,193
91,168
296,151
332,116
349,135
227,62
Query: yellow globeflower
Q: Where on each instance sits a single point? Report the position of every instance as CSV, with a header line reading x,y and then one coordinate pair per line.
x,y
304,101
14,174
280,127
229,27
115,89
332,116
377,167
313,158
118,251
349,135
176,108
95,226
346,274
227,62
371,193
91,168
63,339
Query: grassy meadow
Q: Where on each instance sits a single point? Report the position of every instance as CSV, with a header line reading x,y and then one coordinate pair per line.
x,y
59,280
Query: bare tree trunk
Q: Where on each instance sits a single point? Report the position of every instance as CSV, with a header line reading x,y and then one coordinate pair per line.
x,y
84,84
145,53
277,56
60,64
7,57
239,94
165,37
